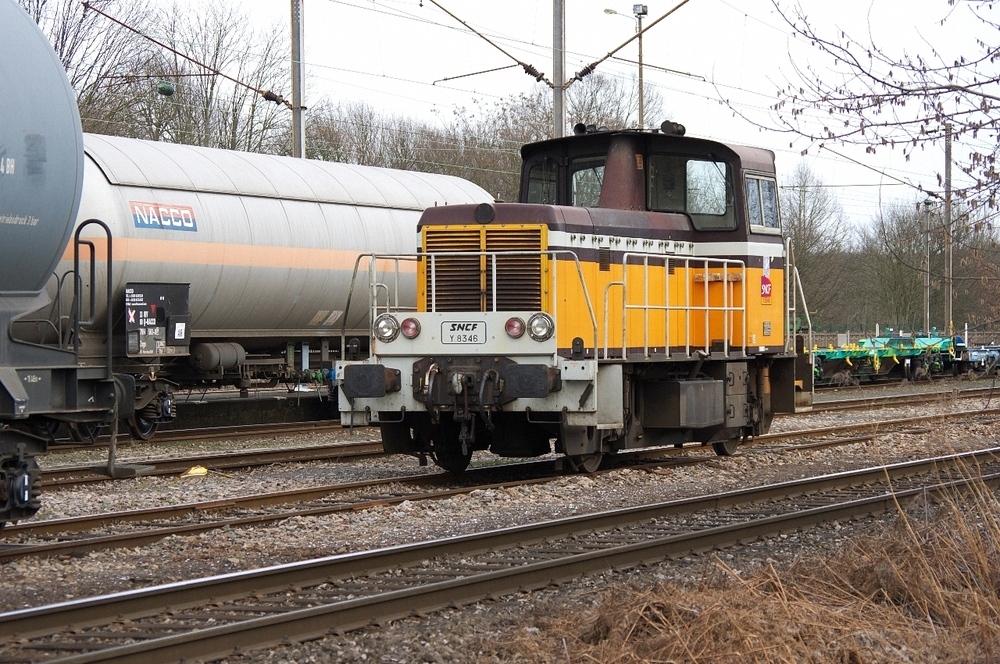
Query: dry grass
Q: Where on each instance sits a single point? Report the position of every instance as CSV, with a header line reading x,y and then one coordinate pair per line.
x,y
928,591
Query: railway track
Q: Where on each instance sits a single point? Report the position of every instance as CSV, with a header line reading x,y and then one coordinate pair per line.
x,y
209,618
133,528
83,534
887,401
917,423
61,477
204,433
70,476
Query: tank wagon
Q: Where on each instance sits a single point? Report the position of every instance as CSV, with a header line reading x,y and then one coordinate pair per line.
x,y
639,294
131,269
230,269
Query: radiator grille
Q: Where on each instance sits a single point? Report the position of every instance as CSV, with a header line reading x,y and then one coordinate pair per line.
x,y
464,283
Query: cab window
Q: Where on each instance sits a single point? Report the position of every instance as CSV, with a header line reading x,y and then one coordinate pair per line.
x,y
542,179
700,188
762,203
586,178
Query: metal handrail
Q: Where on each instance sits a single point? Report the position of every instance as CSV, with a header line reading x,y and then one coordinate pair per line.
x,y
376,284
728,308
78,291
794,293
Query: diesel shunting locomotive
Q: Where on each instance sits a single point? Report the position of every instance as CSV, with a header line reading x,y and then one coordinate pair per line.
x,y
639,294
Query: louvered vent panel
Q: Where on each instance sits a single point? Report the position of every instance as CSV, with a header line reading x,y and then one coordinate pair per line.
x,y
519,278
456,278
465,283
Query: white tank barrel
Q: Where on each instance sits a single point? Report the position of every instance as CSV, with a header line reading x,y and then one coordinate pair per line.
x,y
267,243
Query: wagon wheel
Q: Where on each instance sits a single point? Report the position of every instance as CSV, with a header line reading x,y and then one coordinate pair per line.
x,y
586,463
142,428
84,432
587,438
44,428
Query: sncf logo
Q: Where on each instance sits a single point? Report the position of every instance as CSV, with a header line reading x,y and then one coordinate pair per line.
x,y
462,327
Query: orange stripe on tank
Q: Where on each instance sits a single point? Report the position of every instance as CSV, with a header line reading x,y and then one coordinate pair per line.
x,y
215,253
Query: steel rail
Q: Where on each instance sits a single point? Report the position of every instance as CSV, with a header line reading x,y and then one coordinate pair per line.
x,y
68,476
880,426
168,436
469,586
891,400
533,472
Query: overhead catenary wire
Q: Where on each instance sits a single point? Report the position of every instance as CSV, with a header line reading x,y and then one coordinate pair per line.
x,y
528,69
742,95
589,69
881,172
268,95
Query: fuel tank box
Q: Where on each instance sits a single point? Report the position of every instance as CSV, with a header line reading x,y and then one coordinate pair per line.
x,y
677,404
157,319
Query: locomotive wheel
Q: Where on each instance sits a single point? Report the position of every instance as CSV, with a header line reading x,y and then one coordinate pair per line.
x,y
84,432
726,447
450,457
142,428
586,463
446,447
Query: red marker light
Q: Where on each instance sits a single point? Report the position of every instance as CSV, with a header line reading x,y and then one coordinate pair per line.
x,y
410,328
514,327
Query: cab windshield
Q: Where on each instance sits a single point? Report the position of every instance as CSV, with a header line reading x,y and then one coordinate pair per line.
x,y
700,188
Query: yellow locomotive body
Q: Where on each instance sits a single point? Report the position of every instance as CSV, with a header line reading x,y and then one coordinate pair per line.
x,y
637,295
646,304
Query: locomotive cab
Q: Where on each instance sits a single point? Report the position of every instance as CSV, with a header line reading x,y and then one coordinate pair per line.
x,y
650,271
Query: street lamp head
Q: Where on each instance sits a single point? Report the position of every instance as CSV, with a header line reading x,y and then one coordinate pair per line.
x,y
610,11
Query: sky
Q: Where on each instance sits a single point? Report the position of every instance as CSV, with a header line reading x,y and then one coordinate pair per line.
x,y
395,54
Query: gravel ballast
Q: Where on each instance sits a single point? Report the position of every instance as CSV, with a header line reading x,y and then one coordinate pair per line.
x,y
466,635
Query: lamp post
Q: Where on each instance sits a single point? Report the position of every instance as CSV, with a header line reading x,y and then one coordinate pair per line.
x,y
639,11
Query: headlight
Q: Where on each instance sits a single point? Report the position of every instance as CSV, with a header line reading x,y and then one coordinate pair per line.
x,y
541,327
514,327
386,328
410,328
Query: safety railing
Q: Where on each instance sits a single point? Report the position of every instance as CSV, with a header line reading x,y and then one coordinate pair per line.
x,y
384,293
85,307
793,295
659,302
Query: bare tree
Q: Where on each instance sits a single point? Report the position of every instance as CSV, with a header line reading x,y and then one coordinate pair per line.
x,y
356,133
100,57
115,70
813,220
611,101
887,285
218,101
976,273
904,100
